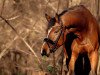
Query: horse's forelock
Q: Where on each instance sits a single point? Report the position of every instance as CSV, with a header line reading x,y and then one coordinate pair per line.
x,y
51,22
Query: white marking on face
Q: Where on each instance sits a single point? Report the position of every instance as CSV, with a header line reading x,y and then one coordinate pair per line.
x,y
42,47
49,32
55,33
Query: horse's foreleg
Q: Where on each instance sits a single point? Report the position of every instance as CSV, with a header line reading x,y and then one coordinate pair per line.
x,y
72,63
93,62
65,68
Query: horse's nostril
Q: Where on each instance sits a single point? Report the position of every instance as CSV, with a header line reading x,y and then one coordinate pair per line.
x,y
44,52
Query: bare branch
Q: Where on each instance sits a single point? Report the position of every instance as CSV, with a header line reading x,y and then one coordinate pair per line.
x,y
51,6
58,6
46,6
98,10
2,7
30,48
36,21
12,18
5,50
9,24
20,51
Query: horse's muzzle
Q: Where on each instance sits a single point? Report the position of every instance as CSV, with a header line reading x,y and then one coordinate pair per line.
x,y
44,53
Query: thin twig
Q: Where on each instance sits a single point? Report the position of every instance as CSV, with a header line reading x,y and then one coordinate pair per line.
x,y
36,21
51,6
58,6
20,51
67,3
46,6
12,18
2,7
9,24
62,66
5,50
98,10
54,64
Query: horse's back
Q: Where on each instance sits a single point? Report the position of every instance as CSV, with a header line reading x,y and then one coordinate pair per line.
x,y
82,18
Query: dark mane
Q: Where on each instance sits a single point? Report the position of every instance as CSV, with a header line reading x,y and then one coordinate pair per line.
x,y
53,20
63,12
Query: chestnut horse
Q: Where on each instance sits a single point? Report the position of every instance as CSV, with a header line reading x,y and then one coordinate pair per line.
x,y
79,21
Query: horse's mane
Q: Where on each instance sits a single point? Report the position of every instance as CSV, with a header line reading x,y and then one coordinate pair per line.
x,y
66,10
53,20
63,12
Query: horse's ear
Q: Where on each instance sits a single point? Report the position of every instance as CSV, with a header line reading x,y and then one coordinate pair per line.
x,y
47,17
56,17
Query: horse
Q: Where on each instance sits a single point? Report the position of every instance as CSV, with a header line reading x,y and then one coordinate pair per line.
x,y
79,21
67,45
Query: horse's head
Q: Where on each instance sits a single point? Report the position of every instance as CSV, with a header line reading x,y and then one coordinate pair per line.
x,y
55,37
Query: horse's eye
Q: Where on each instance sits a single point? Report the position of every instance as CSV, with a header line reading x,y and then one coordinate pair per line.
x,y
57,31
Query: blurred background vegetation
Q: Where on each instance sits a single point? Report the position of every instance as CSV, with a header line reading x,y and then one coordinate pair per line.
x,y
22,29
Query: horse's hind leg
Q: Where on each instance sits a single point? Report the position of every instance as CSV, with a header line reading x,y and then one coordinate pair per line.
x,y
93,56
